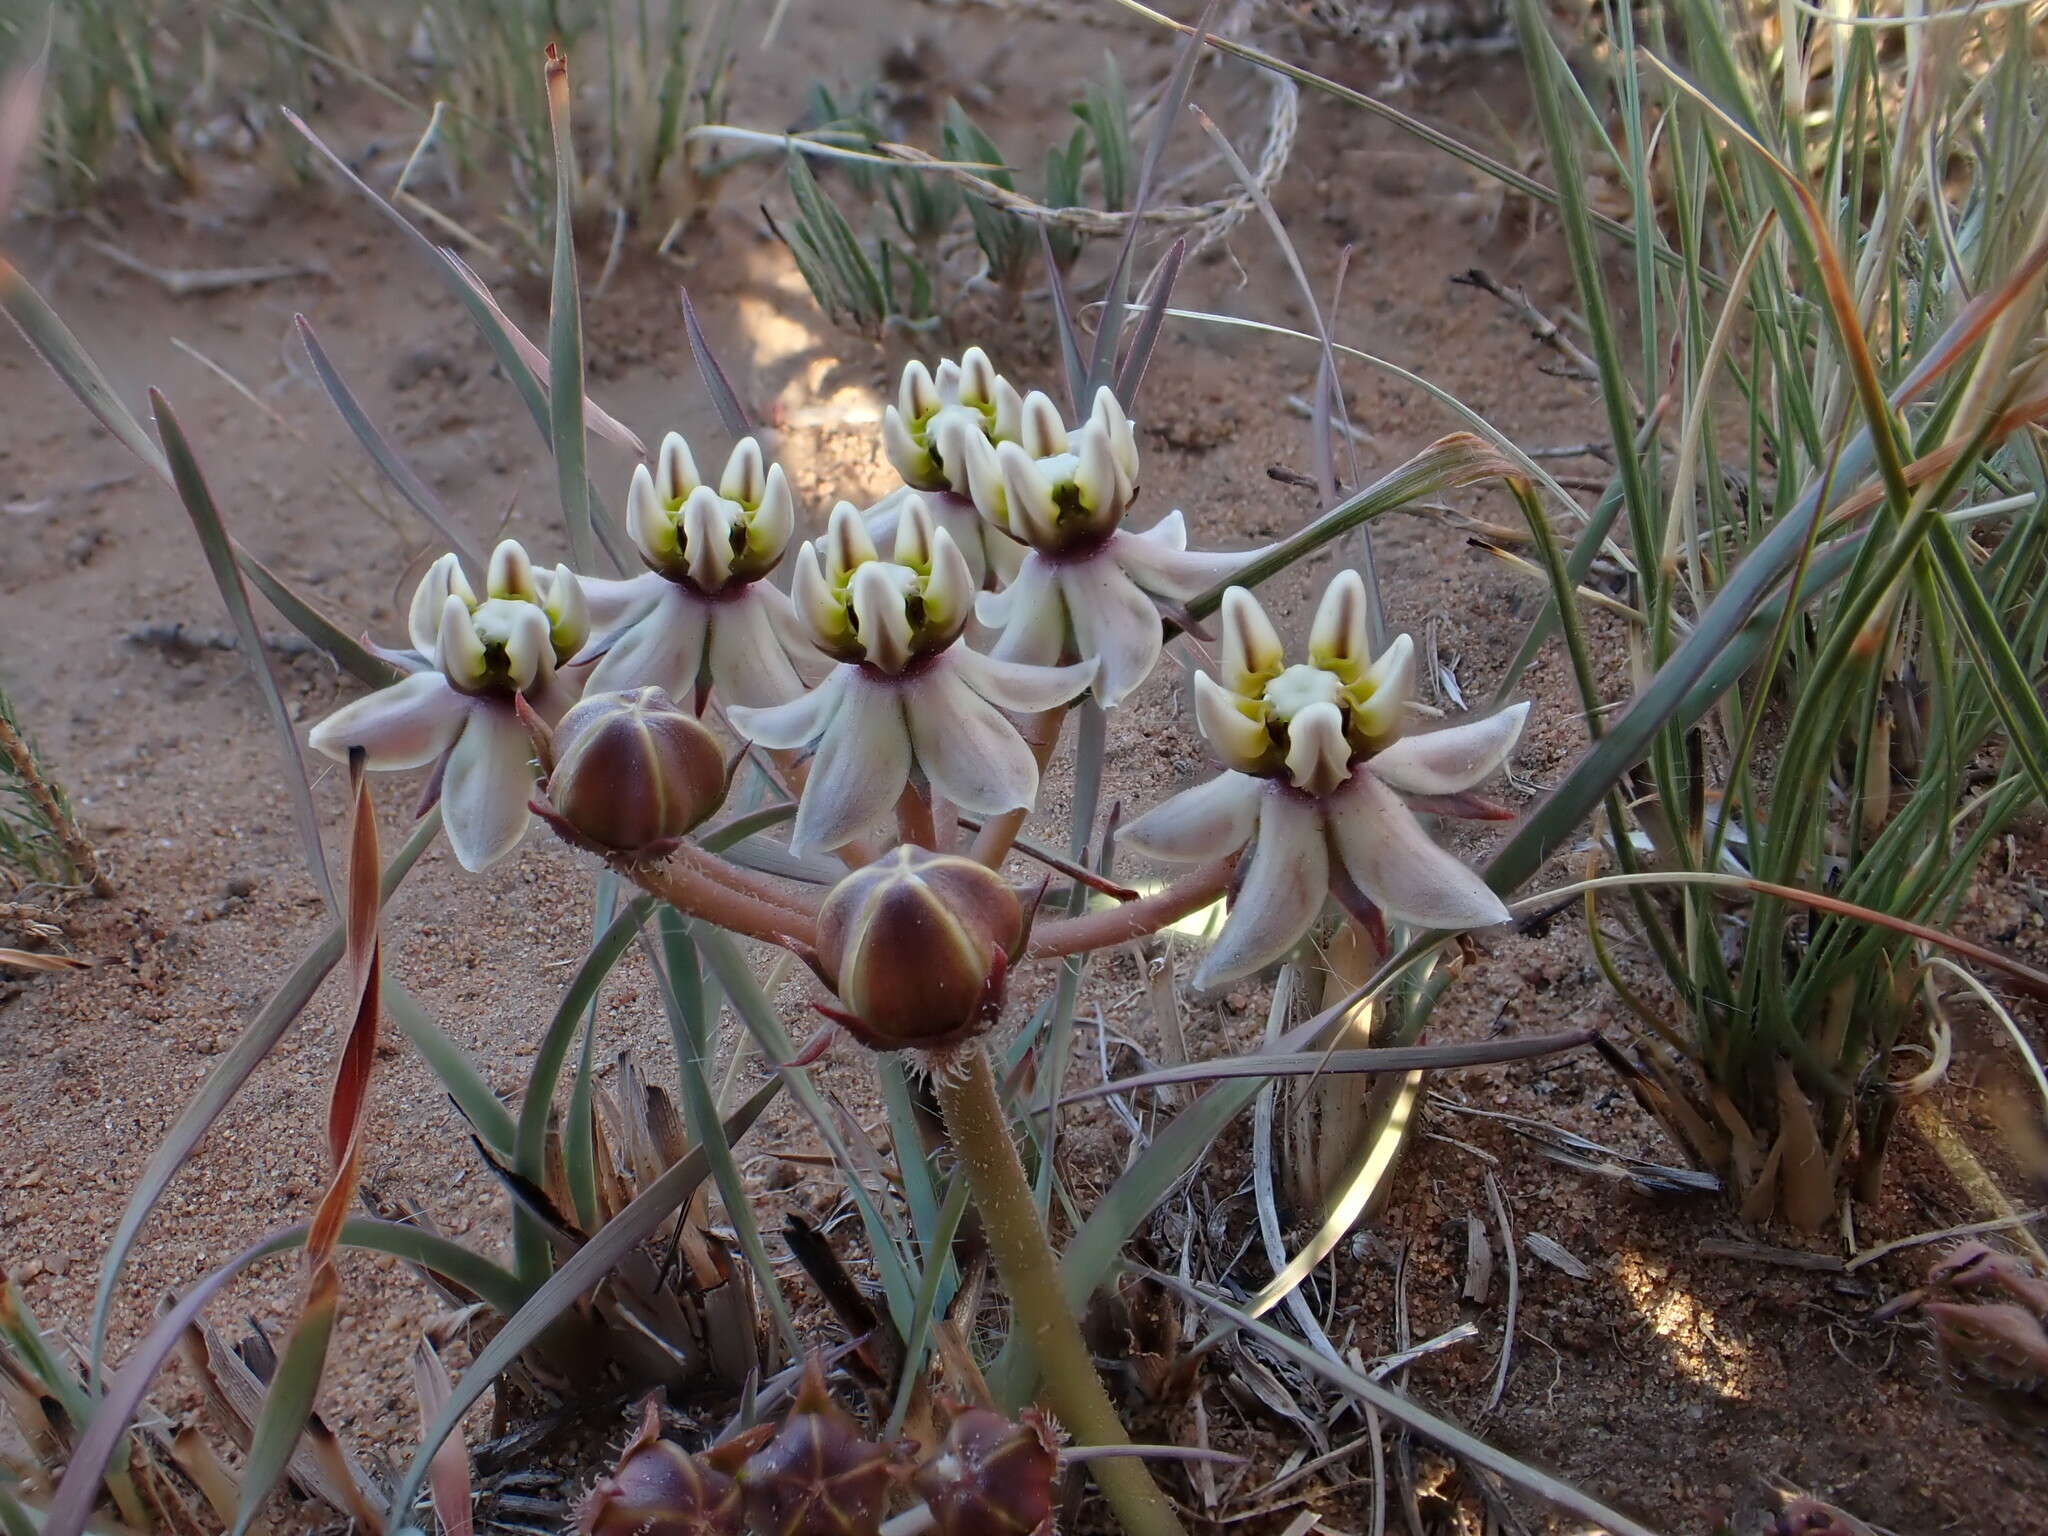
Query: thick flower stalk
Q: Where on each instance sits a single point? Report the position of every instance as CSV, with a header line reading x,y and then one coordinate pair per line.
x,y
701,612
472,658
904,695
922,434
1318,761
1088,588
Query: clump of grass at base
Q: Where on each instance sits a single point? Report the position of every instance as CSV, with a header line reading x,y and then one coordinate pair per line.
x,y
917,240
41,848
1845,274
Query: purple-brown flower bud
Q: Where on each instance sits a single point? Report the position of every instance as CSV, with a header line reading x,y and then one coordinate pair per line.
x,y
992,1477
660,1489
633,772
916,945
819,1476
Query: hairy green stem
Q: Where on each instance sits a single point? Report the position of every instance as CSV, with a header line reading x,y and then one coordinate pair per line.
x,y
980,1133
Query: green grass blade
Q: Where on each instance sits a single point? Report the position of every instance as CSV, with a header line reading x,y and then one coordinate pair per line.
x,y
54,343
387,458
690,1021
565,335
288,1402
349,654
220,557
578,1274
530,1144
465,1083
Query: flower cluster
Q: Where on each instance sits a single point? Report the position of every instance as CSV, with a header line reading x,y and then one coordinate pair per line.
x,y
1318,761
1011,585
817,1474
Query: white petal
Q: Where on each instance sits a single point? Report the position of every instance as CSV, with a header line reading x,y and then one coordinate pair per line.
x,y
970,752
881,615
1239,740
958,517
1114,623
1281,893
973,468
511,573
1176,573
1385,690
1041,433
1031,612
846,543
648,523
946,380
977,378
406,725
796,725
913,463
1341,631
1198,824
486,788
529,648
858,775
568,612
1318,756
773,524
423,621
746,474
812,665
1170,532
913,543
615,603
1396,863
1250,653
748,663
1109,414
707,538
1020,687
811,595
1027,496
457,650
661,649
1096,474
949,590
1009,422
916,395
1452,760
675,474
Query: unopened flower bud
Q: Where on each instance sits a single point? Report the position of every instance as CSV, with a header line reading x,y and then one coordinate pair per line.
x,y
992,1477
633,772
916,945
659,1489
819,1476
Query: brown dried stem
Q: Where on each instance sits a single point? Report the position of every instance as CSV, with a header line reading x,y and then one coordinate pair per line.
x,y
77,850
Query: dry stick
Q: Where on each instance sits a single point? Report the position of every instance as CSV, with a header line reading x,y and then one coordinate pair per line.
x,y
686,886
980,1133
29,771
1134,919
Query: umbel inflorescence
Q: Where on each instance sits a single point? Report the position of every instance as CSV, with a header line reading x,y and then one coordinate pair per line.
x,y
914,674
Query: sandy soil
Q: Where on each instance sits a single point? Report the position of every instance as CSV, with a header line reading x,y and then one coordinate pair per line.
x,y
1672,1382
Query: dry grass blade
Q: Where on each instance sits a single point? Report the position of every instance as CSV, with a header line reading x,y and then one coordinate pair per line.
x,y
1398,1407
1390,1058
724,398
20,91
24,960
450,1482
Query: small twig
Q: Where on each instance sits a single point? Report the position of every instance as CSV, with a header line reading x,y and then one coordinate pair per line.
x,y
1790,1258
1542,327
1972,1229
1507,1333
1053,861
183,283
84,861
